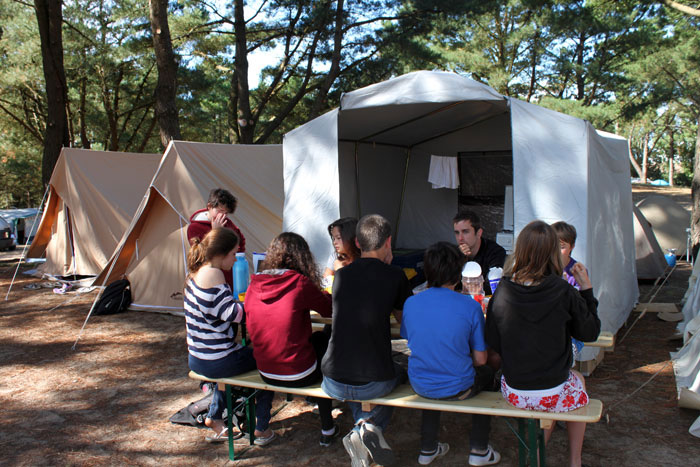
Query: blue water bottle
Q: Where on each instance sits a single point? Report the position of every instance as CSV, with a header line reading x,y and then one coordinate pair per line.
x,y
240,275
670,256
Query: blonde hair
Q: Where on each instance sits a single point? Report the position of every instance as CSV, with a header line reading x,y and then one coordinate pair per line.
x,y
536,254
217,242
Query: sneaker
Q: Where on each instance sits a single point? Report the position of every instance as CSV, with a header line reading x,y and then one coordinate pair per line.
x,y
326,440
425,459
354,447
490,457
374,441
260,441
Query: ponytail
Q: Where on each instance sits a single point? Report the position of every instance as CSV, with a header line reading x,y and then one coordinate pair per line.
x,y
195,257
217,242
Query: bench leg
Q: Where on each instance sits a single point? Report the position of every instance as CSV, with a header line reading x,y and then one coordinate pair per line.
x,y
540,440
530,429
229,411
250,413
522,448
249,396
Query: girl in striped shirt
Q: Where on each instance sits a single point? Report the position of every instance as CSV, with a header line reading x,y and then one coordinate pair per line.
x,y
211,315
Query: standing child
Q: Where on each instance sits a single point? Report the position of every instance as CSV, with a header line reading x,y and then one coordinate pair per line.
x,y
220,205
567,241
445,332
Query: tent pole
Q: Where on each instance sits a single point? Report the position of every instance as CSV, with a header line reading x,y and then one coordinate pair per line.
x,y
24,250
476,122
414,119
70,237
403,194
373,143
357,179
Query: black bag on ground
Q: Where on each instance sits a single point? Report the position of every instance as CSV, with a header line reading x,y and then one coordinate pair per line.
x,y
116,297
194,414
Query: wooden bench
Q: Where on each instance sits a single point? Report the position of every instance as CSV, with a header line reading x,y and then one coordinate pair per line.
x,y
606,340
530,423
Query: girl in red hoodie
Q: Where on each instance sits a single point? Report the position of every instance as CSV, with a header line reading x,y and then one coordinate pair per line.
x,y
277,306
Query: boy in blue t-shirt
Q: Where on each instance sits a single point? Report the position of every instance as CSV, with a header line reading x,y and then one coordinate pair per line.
x,y
445,332
567,242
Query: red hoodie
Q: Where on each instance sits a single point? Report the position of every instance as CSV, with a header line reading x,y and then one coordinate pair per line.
x,y
199,228
277,306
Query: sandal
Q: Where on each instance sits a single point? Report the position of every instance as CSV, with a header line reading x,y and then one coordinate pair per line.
x,y
222,436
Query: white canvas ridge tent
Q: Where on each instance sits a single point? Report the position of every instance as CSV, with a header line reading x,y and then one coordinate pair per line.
x,y
686,362
372,155
651,262
669,221
152,251
92,197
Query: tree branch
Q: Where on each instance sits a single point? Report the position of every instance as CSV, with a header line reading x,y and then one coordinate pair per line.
x,y
682,8
31,130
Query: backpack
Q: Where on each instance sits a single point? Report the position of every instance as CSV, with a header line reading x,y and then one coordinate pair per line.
x,y
196,412
115,297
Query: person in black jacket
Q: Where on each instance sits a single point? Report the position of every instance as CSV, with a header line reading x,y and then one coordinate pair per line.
x,y
530,322
476,247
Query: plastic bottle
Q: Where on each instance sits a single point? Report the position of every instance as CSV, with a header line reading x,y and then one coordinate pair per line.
x,y
670,256
495,275
240,275
473,282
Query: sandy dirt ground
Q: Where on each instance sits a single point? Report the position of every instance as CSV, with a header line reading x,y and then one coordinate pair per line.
x,y
107,402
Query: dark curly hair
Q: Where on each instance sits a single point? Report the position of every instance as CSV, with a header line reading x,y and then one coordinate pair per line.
x,y
290,251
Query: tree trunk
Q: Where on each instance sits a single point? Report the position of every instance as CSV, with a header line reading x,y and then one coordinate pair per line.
x,y
671,156
84,140
695,216
50,19
166,89
580,83
533,66
645,157
334,70
246,125
635,164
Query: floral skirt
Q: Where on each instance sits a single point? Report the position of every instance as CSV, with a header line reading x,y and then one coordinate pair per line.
x,y
568,396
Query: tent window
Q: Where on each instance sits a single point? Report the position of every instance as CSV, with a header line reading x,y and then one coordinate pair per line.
x,y
484,176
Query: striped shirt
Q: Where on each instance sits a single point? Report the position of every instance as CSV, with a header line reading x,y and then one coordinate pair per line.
x,y
209,315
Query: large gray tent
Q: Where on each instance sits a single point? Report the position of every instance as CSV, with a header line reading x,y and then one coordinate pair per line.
x,y
372,155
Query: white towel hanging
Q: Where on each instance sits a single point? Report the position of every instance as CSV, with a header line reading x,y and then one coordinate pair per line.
x,y
443,172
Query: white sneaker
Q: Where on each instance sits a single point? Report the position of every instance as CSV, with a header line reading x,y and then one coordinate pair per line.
x,y
425,459
490,457
354,447
374,441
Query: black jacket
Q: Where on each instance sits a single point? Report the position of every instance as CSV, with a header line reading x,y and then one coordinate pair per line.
x,y
531,328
